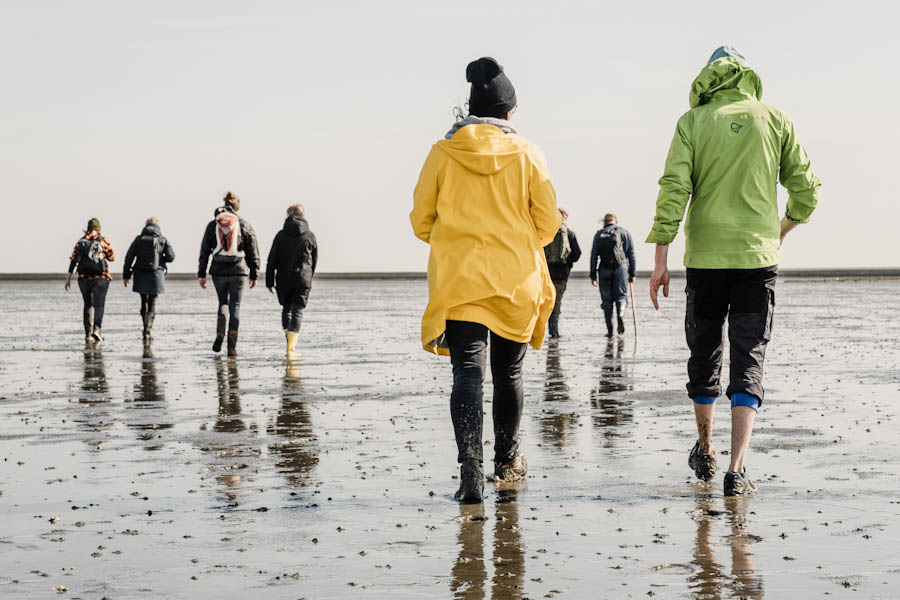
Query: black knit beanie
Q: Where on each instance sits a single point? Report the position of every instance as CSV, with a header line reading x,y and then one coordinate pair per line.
x,y
492,93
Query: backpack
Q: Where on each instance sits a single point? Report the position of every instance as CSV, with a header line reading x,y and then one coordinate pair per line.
x,y
228,238
90,259
558,251
609,245
147,253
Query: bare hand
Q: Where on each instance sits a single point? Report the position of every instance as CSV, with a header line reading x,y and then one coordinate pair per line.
x,y
786,226
271,291
202,281
660,277
68,282
594,282
125,282
252,283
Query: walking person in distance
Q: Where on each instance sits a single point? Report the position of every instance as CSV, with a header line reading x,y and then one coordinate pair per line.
x,y
485,204
91,257
561,254
146,260
290,270
231,242
612,268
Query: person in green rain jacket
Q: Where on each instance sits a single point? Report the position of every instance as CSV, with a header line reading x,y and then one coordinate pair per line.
x,y
728,153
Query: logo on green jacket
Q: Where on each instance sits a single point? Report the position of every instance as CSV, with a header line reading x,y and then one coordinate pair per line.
x,y
736,127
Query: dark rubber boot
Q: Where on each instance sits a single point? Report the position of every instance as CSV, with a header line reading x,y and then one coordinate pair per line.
x,y
609,326
220,333
232,343
148,326
620,315
471,483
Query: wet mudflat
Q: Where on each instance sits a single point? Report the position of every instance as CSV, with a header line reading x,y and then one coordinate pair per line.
x,y
181,474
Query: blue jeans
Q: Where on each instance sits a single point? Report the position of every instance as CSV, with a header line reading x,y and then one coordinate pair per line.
x,y
613,284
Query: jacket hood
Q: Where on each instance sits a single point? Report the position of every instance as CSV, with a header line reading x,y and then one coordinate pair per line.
x,y
483,148
725,78
295,226
151,230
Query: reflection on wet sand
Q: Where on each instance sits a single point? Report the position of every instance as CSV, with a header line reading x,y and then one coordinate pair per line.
x,y
610,409
556,427
94,387
149,399
708,580
229,419
468,576
297,455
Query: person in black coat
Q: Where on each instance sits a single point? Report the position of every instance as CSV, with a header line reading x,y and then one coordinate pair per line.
x,y
290,269
559,262
146,259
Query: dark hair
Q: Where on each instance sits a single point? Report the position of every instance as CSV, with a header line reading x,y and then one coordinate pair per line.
x,y
232,201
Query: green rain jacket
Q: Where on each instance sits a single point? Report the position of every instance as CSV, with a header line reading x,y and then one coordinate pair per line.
x,y
728,153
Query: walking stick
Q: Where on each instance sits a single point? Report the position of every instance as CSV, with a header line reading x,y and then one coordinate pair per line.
x,y
633,310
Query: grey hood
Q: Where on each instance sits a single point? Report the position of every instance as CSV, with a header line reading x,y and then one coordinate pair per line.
x,y
501,124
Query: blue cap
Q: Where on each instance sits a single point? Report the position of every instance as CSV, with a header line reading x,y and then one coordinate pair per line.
x,y
727,51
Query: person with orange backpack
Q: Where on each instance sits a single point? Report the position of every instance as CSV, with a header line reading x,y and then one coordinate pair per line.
x,y
231,242
91,256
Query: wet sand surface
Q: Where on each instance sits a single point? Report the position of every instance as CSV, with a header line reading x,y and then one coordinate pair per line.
x,y
188,475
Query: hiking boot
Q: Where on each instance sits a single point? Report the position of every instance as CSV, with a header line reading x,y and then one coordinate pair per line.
x,y
704,465
471,483
96,335
220,333
511,471
609,326
738,484
232,343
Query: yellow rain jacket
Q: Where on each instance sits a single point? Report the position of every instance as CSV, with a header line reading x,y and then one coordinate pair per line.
x,y
486,204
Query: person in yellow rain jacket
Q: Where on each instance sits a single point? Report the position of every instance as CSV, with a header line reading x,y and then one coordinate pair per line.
x,y
486,205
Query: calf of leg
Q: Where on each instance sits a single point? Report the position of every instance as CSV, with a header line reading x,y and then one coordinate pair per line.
x,y
468,355
509,397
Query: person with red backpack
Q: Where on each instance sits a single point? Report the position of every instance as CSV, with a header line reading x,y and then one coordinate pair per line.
x,y
231,242
146,259
91,256
612,259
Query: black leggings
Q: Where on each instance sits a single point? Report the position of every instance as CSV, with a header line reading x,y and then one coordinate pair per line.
x,y
148,304
93,291
468,353
229,288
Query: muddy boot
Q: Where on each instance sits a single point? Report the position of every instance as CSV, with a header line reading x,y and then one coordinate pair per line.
x,y
511,471
620,316
703,464
148,326
607,314
232,343
220,333
471,483
738,484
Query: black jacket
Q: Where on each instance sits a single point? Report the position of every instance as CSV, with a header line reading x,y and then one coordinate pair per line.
x,y
292,260
560,272
248,245
149,282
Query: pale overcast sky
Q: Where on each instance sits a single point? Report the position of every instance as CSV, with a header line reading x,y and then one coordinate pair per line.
x,y
123,110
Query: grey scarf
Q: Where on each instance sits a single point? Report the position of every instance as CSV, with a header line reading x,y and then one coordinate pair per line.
x,y
501,124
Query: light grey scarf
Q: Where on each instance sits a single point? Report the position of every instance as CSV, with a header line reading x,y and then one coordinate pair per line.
x,y
501,124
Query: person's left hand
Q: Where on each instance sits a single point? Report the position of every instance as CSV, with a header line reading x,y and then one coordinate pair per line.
x,y
271,291
125,282
252,283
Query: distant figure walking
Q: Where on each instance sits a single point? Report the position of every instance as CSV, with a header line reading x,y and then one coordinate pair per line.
x,y
486,205
91,257
612,268
561,254
729,152
235,254
290,269
146,259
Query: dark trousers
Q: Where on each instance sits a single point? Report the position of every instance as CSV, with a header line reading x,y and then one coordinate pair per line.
x,y
613,285
747,298
292,311
468,354
553,324
93,291
229,289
